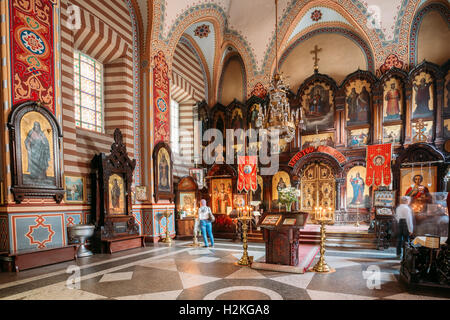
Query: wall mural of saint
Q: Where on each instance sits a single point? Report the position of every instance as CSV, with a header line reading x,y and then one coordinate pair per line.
x,y
164,179
37,150
357,191
319,107
423,96
392,106
358,102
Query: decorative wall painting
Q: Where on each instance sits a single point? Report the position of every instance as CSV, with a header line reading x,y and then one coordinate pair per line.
x,y
116,191
75,188
280,181
221,195
358,138
316,140
423,96
32,52
418,183
358,195
392,134
358,102
318,102
392,100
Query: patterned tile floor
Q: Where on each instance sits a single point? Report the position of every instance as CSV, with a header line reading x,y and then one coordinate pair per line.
x,y
181,272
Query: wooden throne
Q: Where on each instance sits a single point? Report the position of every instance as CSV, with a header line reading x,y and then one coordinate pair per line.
x,y
116,228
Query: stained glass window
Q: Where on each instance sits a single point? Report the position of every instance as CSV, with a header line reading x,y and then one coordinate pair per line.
x,y
88,92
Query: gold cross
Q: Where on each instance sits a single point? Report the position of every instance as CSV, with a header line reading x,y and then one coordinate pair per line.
x,y
316,59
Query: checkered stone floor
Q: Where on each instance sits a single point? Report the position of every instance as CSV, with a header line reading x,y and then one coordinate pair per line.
x,y
181,272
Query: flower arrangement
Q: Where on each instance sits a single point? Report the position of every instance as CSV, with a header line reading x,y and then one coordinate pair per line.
x,y
287,196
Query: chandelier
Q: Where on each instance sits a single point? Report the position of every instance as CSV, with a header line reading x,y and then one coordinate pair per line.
x,y
277,117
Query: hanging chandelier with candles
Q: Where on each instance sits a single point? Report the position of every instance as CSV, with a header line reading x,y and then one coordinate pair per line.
x,y
277,117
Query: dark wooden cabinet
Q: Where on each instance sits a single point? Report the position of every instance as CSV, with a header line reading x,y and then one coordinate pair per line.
x,y
282,241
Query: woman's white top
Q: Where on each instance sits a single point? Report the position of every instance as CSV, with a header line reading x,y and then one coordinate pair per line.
x,y
203,213
405,212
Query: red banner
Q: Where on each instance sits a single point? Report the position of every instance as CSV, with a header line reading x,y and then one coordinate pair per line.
x,y
32,54
161,96
379,165
247,173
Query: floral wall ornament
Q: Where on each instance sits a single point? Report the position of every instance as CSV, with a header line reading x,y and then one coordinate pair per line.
x,y
259,91
392,61
316,15
202,31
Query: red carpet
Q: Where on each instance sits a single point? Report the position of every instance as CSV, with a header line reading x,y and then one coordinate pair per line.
x,y
306,255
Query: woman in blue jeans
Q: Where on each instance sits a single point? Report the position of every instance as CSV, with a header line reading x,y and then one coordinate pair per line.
x,y
206,218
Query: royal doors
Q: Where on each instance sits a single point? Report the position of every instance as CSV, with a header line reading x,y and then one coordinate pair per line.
x,y
318,189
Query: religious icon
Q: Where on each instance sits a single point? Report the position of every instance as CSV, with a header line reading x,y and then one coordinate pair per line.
x,y
319,107
116,190
418,183
423,99
164,179
357,191
447,128
141,193
378,161
37,145
358,138
187,201
221,195
238,200
392,100
254,113
447,95
358,102
75,188
324,139
280,181
198,175
257,196
392,134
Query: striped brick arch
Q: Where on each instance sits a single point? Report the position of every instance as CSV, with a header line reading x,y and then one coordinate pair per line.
x,y
106,35
188,86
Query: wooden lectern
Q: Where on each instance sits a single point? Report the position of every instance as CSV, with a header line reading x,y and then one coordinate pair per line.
x,y
281,232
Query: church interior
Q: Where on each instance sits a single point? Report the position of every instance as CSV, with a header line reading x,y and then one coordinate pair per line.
x,y
317,132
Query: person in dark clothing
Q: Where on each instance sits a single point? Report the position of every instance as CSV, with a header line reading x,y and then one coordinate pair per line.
x,y
404,219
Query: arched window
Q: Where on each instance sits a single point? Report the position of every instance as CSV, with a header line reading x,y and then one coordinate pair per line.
x,y
88,92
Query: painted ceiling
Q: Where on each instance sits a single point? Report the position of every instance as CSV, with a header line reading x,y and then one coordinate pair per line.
x,y
249,26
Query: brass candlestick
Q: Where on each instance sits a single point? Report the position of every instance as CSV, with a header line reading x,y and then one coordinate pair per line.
x,y
322,217
244,216
167,239
196,225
